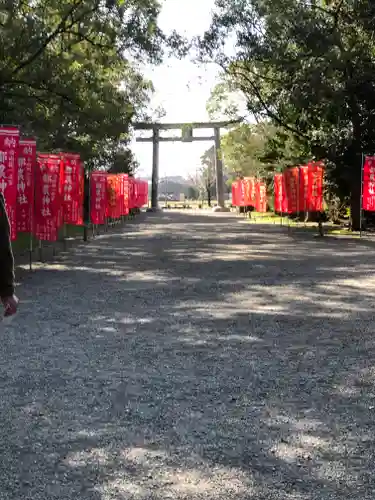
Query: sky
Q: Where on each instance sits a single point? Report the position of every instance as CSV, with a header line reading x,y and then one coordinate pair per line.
x,y
182,89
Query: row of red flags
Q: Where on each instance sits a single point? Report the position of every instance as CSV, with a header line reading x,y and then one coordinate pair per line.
x,y
250,192
296,189
44,191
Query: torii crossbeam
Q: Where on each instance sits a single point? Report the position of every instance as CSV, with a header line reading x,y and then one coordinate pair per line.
x,y
187,135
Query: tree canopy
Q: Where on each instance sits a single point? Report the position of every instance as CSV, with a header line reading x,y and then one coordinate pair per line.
x,y
307,66
70,72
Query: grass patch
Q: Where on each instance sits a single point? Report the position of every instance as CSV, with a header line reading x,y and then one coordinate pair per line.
x,y
22,244
271,218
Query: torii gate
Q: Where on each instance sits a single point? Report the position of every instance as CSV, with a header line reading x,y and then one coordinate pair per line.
x,y
187,135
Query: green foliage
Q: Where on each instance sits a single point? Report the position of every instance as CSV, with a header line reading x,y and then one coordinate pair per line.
x,y
193,193
307,66
259,150
68,76
242,148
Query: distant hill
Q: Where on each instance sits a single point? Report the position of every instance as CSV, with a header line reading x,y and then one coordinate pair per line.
x,y
173,186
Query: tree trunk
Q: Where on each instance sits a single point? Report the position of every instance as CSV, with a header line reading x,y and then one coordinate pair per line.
x,y
355,207
355,192
209,197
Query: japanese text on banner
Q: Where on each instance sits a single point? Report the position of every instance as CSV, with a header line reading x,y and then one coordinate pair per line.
x,y
235,193
261,197
315,191
292,184
303,199
98,197
47,197
249,192
281,205
25,185
9,144
72,187
126,194
113,196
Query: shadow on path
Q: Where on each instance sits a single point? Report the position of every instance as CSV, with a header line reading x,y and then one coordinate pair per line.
x,y
192,357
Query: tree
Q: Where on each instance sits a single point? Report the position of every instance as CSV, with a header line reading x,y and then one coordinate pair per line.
x,y
307,66
207,173
193,193
67,76
124,162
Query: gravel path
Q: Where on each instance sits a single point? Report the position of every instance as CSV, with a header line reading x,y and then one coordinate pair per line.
x,y
192,357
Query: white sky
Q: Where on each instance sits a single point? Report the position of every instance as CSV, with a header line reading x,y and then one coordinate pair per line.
x,y
182,89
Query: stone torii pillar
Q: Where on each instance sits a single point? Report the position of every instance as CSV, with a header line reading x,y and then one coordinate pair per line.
x,y
187,135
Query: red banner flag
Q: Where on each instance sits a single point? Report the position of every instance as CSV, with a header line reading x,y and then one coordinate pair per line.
x,y
303,197
80,220
281,204
25,185
121,195
131,193
292,191
241,192
126,194
261,197
72,188
47,197
315,190
98,197
135,193
235,193
113,196
141,193
249,191
9,144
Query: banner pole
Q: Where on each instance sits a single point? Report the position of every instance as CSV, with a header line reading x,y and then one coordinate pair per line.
x,y
305,188
274,200
31,215
298,195
87,212
281,198
361,199
40,250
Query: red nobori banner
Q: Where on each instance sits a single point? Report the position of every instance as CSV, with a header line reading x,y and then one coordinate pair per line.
x,y
113,196
249,191
281,203
81,195
303,197
72,187
142,192
98,197
315,190
121,200
25,186
236,193
47,197
132,193
260,197
241,193
126,194
9,144
292,188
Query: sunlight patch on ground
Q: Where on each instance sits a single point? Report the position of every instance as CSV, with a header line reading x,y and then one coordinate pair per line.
x,y
82,458
157,477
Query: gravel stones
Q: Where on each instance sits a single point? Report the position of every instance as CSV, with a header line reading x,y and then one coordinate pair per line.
x,y
191,356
